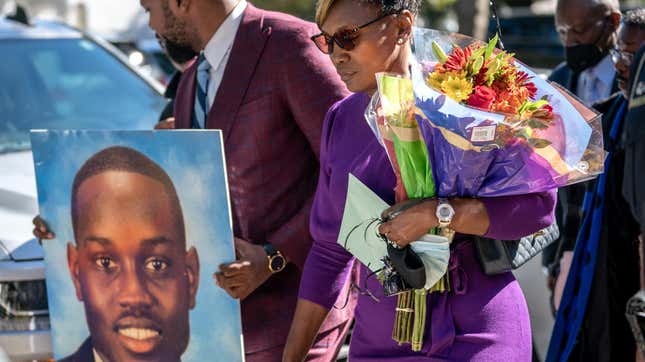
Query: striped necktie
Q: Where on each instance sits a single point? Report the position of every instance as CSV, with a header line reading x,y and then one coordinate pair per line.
x,y
201,92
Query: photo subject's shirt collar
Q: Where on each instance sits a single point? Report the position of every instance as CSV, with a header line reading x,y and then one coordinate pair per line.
x,y
221,42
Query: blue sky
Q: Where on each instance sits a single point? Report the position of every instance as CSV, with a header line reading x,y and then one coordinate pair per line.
x,y
194,160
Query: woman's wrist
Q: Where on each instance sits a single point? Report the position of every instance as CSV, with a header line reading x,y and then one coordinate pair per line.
x,y
430,214
470,217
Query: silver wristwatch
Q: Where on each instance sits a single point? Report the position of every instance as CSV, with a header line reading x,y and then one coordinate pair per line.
x,y
444,213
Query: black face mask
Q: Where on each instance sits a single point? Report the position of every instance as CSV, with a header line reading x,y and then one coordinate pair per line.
x,y
179,53
583,56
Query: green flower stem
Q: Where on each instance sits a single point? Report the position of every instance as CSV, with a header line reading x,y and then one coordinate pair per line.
x,y
420,305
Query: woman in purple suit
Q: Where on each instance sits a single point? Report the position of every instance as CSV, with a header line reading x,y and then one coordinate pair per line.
x,y
482,318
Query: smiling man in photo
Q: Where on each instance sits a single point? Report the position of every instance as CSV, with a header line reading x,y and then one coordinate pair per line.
x,y
130,266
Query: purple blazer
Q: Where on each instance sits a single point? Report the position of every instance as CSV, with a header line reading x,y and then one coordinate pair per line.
x,y
276,89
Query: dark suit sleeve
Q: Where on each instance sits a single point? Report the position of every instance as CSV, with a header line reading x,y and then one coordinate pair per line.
x,y
570,198
310,86
637,175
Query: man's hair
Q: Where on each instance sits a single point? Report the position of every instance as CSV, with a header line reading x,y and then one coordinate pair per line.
x,y
611,5
385,7
634,17
126,159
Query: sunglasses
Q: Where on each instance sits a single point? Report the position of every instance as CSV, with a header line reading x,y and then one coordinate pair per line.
x,y
345,39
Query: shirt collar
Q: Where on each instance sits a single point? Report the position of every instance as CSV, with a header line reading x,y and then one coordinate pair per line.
x,y
223,38
603,71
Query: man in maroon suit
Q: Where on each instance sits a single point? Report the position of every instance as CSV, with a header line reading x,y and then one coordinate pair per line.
x,y
265,85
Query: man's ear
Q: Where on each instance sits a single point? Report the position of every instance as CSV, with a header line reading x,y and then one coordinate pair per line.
x,y
614,19
72,264
405,21
192,271
180,6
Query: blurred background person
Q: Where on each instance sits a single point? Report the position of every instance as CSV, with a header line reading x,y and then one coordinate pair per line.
x,y
633,185
634,138
604,334
587,29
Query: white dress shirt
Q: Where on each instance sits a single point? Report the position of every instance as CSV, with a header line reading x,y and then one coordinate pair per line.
x,y
218,49
595,83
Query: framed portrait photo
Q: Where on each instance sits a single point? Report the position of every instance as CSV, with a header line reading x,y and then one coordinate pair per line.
x,y
141,221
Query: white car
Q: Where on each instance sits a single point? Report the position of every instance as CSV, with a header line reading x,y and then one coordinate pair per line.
x,y
51,76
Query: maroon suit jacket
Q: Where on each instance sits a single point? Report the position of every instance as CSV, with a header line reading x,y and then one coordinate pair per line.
x,y
276,89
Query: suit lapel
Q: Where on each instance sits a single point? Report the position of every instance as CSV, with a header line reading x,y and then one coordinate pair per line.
x,y
247,48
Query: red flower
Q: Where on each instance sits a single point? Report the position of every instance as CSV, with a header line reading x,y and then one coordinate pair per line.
x,y
480,78
458,59
546,111
482,97
523,81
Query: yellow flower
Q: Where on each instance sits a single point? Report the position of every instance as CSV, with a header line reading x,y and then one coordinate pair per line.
x,y
458,89
435,79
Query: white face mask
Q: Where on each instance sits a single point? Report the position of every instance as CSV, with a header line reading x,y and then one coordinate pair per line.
x,y
434,251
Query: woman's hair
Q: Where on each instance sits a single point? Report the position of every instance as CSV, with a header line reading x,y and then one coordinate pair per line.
x,y
385,7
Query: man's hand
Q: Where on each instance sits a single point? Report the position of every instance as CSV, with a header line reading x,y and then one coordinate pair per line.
x,y
168,123
41,229
242,277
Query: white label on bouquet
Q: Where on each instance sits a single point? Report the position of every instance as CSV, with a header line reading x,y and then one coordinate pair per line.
x,y
483,134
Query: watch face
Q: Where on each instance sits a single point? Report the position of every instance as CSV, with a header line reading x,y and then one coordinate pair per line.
x,y
277,263
444,212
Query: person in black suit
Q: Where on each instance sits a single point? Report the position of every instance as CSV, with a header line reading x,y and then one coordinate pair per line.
x,y
633,184
634,140
129,265
605,334
588,31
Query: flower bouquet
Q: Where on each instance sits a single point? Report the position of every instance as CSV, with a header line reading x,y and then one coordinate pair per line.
x,y
492,126
475,122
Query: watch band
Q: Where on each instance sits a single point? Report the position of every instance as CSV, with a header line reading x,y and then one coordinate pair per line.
x,y
276,262
269,249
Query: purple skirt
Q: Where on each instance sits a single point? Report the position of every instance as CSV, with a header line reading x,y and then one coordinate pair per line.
x,y
483,318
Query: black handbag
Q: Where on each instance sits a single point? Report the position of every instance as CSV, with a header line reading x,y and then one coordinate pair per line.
x,y
500,256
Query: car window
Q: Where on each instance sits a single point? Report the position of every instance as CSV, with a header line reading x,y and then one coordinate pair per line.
x,y
68,83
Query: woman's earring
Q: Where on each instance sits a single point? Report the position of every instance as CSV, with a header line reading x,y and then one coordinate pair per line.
x,y
400,41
